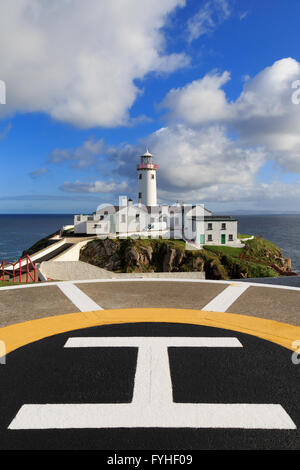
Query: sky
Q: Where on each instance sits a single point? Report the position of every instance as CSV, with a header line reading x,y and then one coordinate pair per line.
x,y
210,87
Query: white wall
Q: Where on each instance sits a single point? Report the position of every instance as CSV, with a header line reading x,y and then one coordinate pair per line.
x,y
216,232
72,254
147,186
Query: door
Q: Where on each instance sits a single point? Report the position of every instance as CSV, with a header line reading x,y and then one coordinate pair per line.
x,y
202,239
223,239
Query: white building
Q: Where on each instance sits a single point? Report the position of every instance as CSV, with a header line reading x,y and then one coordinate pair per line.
x,y
194,223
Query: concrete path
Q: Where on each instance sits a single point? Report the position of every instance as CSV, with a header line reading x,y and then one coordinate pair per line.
x,y
27,302
70,270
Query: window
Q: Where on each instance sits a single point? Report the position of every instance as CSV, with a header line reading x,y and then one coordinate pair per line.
x,y
140,176
137,216
123,218
90,217
140,195
209,227
152,177
78,217
230,238
97,226
223,227
209,238
105,212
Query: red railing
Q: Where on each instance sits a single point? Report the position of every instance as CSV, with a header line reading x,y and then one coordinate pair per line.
x,y
11,270
147,166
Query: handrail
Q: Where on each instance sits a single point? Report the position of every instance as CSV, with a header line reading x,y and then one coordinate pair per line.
x,y
12,272
28,262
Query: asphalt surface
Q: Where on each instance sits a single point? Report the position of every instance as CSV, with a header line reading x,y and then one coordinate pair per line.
x,y
264,302
18,305
45,372
111,295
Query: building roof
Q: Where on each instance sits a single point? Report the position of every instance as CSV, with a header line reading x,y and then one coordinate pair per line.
x,y
217,218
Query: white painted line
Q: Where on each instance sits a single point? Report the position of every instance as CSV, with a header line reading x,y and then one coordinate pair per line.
x,y
82,301
177,415
152,404
202,281
222,302
152,383
155,342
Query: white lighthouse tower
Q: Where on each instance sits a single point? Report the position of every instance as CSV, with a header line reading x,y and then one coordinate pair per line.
x,y
147,180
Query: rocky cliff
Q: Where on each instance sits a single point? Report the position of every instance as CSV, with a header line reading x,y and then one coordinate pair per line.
x,y
259,258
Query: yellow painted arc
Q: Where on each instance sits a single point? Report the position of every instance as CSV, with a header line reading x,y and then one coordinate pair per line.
x,y
21,334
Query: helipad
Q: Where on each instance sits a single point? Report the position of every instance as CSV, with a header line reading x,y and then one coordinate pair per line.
x,y
148,364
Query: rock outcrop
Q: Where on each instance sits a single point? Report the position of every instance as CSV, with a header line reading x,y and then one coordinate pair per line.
x,y
259,258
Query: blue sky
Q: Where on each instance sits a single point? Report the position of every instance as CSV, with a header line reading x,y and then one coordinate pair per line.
x,y
206,85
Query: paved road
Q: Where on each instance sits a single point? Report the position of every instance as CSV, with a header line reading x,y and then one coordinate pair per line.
x,y
235,369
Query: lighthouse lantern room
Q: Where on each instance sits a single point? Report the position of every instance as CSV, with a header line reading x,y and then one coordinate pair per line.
x,y
147,180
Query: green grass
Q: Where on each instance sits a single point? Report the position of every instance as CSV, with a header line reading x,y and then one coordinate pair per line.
x,y
224,250
261,248
10,283
243,235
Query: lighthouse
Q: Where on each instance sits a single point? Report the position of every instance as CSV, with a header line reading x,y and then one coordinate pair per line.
x,y
147,180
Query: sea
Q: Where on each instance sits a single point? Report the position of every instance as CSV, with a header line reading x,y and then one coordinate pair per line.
x,y
283,230
19,232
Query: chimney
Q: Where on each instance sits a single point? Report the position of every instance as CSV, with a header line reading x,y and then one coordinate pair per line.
x,y
122,201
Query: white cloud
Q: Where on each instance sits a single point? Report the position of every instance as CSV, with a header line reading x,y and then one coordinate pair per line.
x,y
200,101
78,60
80,157
39,172
189,162
188,158
244,15
94,187
211,15
212,149
5,131
196,165
254,195
263,115
193,164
